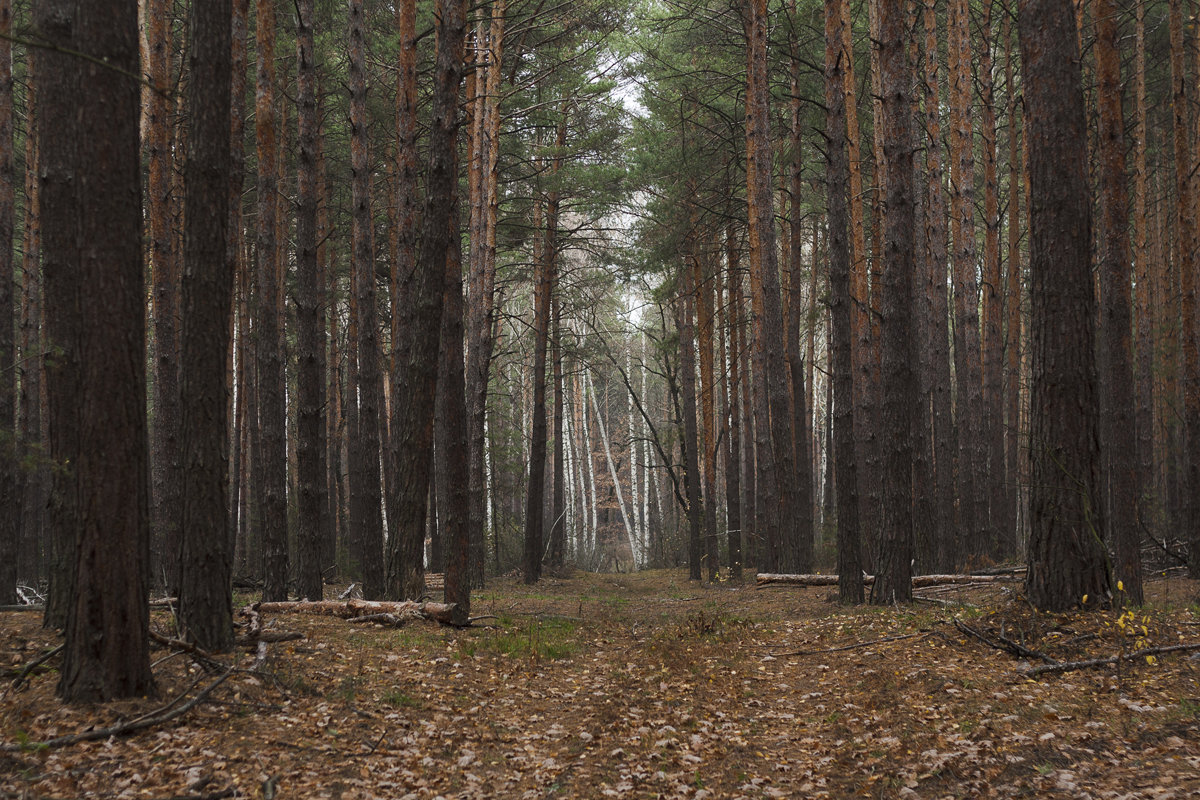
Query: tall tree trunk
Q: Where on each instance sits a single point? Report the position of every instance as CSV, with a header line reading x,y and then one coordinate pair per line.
x,y
1186,237
945,444
166,488
310,456
837,178
106,654
795,534
864,363
546,261
1120,433
702,286
730,358
1014,441
205,605
366,514
1146,308
10,483
406,544
58,89
235,257
894,573
972,493
1001,525
417,360
1067,559
32,423
691,438
482,289
272,456
748,480
558,528
453,514
800,552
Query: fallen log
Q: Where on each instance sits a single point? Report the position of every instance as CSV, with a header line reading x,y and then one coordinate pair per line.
x,y
776,579
351,609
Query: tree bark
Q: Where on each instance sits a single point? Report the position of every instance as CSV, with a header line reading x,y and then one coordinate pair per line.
x,y
417,361
945,444
58,90
166,475
205,605
794,535
1116,321
899,354
10,480
106,653
405,560
691,436
310,456
271,459
36,481
1185,222
1067,559
850,588
367,513
972,453
1002,524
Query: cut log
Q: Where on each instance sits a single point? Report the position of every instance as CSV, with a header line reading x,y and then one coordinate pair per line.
x,y
351,609
775,579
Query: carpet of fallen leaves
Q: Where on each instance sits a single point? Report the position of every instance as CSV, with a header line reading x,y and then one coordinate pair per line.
x,y
647,686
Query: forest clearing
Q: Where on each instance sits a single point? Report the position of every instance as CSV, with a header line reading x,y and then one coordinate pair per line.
x,y
646,685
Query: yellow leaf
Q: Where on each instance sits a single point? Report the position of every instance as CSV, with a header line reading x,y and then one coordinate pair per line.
x,y
1120,586
1151,660
1084,601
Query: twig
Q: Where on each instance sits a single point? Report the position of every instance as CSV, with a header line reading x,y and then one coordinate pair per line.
x,y
32,665
854,646
1003,643
1070,666
156,717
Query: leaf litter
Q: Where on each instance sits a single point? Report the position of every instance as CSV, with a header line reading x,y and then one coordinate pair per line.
x,y
647,686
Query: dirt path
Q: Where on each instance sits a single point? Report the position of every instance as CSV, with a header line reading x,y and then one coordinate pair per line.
x,y
645,686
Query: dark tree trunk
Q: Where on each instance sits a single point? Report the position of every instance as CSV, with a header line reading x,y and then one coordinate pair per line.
x,y
106,654
850,585
1119,428
733,410
309,378
1002,522
58,93
271,458
367,513
894,571
416,360
687,400
794,535
481,315
454,521
235,257
36,481
10,483
535,491
205,604
166,477
558,525
968,416
702,277
1067,559
945,435
1185,224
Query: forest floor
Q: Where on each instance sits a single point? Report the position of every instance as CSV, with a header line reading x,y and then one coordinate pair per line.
x,y
647,686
